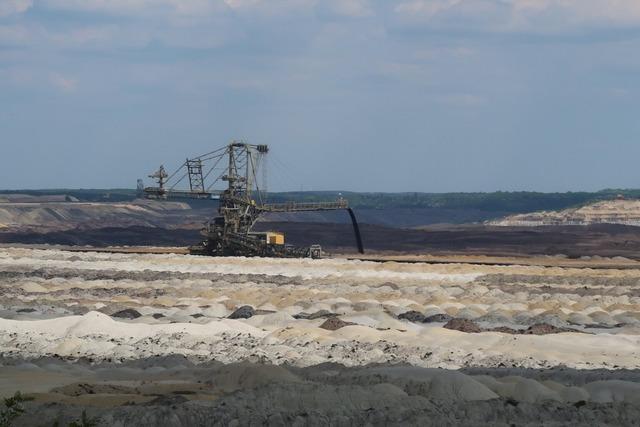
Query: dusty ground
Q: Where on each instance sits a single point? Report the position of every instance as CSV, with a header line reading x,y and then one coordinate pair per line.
x,y
152,223
172,391
109,327
604,240
570,241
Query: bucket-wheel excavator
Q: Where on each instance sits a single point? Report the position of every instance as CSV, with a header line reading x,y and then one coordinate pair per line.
x,y
240,203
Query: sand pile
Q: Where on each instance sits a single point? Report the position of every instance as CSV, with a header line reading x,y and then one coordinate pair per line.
x,y
173,392
100,337
63,283
626,212
177,340
61,215
304,312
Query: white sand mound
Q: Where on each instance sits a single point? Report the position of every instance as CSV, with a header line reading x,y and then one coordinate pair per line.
x,y
33,287
469,313
216,310
247,376
271,321
95,325
196,300
614,391
378,320
306,269
579,319
602,212
567,394
432,383
520,389
367,305
627,318
340,401
528,390
302,342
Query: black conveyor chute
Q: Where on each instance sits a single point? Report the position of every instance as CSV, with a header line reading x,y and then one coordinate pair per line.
x,y
356,230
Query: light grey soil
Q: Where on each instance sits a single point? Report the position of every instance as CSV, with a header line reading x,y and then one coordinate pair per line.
x,y
172,391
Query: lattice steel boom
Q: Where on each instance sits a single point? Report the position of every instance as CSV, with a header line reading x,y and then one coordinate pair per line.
x,y
241,202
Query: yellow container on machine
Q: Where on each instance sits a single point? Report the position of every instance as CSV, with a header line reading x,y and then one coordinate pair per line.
x,y
274,238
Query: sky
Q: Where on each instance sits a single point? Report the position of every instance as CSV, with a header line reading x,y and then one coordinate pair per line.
x,y
360,95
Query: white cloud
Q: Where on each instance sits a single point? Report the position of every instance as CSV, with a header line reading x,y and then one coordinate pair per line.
x,y
14,35
495,15
139,7
619,92
63,83
239,4
440,52
273,8
353,8
211,23
462,100
426,8
522,15
84,36
200,8
17,76
90,36
9,7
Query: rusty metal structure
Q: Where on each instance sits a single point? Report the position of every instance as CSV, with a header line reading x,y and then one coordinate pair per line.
x,y
241,202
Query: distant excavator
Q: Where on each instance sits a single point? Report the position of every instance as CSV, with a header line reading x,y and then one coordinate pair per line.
x,y
241,203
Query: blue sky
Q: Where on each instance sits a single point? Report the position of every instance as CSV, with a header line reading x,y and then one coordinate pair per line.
x,y
363,95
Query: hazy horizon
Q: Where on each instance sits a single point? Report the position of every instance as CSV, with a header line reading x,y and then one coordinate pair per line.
x,y
602,190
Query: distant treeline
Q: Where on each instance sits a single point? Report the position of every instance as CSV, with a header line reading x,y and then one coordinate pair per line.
x,y
522,201
84,195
